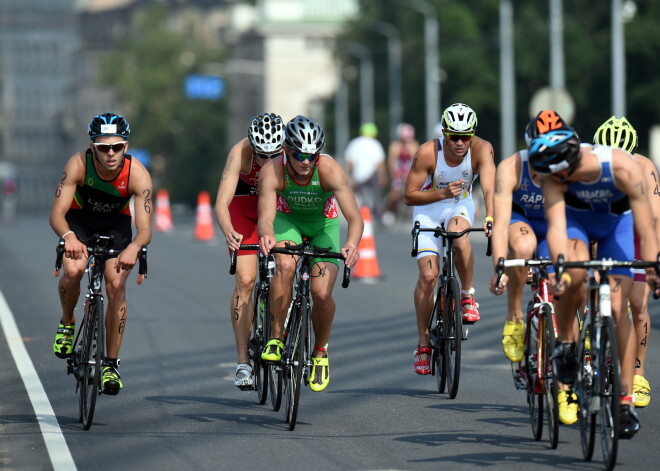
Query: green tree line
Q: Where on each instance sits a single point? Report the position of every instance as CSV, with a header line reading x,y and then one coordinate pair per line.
x,y
188,140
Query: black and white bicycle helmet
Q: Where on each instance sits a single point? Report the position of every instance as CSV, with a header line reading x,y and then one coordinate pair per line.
x,y
459,118
108,124
304,135
266,133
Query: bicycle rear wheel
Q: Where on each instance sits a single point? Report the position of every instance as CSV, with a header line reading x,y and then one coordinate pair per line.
x,y
90,359
260,335
584,388
551,406
296,360
610,390
453,333
530,367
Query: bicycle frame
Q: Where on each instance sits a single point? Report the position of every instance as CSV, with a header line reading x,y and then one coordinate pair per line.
x,y
446,328
89,343
534,372
296,359
598,383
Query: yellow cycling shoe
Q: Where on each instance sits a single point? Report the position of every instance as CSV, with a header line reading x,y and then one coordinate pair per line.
x,y
641,391
512,340
273,350
320,375
568,407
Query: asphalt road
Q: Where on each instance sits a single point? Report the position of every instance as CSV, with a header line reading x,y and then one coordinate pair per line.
x,y
180,410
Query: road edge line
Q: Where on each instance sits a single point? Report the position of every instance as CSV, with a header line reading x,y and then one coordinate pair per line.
x,y
58,450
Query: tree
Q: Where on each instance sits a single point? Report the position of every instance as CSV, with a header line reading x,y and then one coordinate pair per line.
x,y
186,137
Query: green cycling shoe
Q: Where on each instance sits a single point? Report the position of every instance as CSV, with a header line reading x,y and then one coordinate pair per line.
x,y
63,343
273,350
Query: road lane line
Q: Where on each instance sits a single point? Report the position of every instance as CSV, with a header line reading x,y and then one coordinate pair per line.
x,y
58,450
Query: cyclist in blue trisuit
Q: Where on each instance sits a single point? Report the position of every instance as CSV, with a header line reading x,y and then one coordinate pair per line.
x,y
618,132
518,232
593,193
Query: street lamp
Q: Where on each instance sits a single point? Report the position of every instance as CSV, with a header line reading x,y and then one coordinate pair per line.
x,y
393,72
431,77
366,80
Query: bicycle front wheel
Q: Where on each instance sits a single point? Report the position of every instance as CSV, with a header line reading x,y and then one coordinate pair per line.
x,y
90,359
610,390
584,389
296,360
551,406
453,333
437,344
530,366
260,335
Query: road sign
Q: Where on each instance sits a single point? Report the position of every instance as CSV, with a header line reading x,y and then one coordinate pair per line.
x,y
549,98
204,87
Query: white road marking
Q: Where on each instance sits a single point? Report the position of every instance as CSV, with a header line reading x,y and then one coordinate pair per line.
x,y
58,450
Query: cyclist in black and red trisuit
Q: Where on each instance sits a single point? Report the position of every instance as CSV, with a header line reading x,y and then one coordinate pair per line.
x,y
93,197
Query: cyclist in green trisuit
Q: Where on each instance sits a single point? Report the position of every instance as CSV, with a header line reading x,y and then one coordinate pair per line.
x,y
298,197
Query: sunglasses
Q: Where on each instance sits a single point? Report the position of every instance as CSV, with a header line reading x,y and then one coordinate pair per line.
x,y
301,156
267,156
105,148
459,137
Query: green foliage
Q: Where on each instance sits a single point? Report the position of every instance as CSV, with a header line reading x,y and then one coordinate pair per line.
x,y
469,58
148,68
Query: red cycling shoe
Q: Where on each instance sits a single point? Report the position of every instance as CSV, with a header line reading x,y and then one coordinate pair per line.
x,y
423,367
471,313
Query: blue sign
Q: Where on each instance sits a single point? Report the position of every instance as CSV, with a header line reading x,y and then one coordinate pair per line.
x,y
142,155
204,87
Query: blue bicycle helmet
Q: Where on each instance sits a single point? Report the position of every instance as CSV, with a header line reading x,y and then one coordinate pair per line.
x,y
555,151
108,124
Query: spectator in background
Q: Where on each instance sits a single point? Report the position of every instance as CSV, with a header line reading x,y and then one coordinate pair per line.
x,y
399,159
365,157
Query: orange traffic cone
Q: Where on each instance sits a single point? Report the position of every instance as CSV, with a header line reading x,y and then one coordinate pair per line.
x,y
163,222
204,224
367,266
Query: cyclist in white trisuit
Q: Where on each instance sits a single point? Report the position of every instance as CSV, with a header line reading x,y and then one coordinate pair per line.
x,y
439,185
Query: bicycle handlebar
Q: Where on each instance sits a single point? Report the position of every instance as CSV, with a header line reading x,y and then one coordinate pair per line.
x,y
606,264
234,256
100,248
314,252
439,231
518,262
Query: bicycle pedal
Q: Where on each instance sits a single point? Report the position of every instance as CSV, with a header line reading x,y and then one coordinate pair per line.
x,y
464,335
518,380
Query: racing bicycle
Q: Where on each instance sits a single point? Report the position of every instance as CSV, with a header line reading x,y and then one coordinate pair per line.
x,y
295,366
598,383
446,329
86,362
534,372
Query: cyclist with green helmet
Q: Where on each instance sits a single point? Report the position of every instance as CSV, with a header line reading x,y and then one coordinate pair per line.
x,y
93,197
298,197
618,132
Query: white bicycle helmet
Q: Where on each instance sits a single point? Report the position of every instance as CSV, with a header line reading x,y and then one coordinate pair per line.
x,y
459,118
304,135
266,133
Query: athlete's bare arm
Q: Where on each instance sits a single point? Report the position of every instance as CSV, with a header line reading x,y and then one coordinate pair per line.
x,y
73,174
227,188
483,161
506,181
271,179
333,178
423,165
